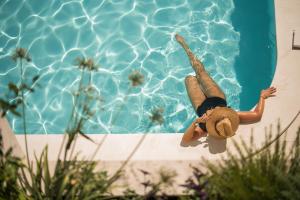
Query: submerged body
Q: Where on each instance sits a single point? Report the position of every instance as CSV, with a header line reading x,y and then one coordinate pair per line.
x,y
209,102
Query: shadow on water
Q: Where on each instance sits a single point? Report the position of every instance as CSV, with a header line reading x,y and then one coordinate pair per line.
x,y
255,21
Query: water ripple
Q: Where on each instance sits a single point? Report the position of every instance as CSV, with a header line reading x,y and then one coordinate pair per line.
x,y
121,36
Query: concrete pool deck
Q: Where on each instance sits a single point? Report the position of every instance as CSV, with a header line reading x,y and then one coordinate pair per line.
x,y
164,150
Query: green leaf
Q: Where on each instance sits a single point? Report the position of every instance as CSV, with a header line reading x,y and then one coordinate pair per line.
x,y
14,88
35,78
13,111
85,136
47,176
37,181
4,104
25,86
63,184
70,140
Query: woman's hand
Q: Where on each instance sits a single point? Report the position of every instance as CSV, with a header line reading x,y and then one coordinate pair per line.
x,y
268,92
202,119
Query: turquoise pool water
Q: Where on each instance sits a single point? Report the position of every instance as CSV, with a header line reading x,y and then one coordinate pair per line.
x,y
128,35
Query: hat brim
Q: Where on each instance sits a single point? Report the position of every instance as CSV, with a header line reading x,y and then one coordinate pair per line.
x,y
218,114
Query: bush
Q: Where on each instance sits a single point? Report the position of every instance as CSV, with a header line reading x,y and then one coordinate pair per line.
x,y
9,168
271,173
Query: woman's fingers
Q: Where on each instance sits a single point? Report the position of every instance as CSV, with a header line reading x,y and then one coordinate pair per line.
x,y
200,119
272,90
204,117
269,92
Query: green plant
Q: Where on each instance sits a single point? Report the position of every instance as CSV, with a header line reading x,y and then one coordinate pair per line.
x,y
272,174
85,105
71,178
136,79
196,185
9,168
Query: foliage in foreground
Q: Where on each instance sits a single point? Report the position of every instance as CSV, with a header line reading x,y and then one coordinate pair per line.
x,y
71,178
271,174
9,168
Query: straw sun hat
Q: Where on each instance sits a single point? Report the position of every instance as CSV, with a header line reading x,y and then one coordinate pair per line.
x,y
222,123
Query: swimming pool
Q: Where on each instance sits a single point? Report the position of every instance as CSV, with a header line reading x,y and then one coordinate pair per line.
x,y
123,36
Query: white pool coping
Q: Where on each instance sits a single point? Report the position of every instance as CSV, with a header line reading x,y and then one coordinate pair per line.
x,y
164,150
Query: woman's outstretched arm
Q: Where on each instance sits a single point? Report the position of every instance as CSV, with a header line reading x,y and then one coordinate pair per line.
x,y
189,134
255,116
193,132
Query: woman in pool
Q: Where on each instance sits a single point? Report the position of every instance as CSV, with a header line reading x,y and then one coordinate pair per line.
x,y
209,102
